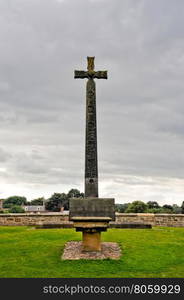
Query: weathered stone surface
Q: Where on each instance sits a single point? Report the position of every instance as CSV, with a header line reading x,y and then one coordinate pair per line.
x,y
164,220
85,74
33,219
91,162
74,251
91,241
92,207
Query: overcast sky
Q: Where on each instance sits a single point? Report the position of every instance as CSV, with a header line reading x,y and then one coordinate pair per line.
x,y
140,107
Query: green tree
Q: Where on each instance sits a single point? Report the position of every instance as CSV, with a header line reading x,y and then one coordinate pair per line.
x,y
136,207
56,201
168,209
121,208
153,204
182,208
14,200
74,193
176,209
38,201
16,209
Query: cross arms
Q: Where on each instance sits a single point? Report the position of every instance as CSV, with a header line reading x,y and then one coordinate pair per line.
x,y
90,74
100,75
80,74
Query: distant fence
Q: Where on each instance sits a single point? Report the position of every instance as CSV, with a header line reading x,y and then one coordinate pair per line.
x,y
168,220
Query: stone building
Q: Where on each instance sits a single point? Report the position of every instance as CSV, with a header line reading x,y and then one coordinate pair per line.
x,y
34,208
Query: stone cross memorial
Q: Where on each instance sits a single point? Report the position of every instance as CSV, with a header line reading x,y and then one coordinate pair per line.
x,y
92,214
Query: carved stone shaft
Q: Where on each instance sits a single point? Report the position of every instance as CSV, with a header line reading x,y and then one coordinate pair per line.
x,y
91,162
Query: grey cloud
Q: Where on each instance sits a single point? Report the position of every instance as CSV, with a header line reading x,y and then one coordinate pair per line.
x,y
4,155
140,107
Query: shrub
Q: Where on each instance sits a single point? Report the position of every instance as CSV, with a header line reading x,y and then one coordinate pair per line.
x,y
136,207
16,209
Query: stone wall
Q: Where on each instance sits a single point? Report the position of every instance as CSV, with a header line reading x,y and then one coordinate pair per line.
x,y
27,219
170,220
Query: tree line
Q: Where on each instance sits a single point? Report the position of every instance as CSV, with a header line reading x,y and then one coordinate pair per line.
x,y
14,204
149,207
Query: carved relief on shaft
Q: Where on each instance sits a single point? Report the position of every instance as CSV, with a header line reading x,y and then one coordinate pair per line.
x,y
91,163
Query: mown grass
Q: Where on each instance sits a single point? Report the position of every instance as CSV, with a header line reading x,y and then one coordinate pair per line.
x,y
28,252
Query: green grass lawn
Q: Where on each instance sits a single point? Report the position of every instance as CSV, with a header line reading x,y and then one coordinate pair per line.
x,y
28,252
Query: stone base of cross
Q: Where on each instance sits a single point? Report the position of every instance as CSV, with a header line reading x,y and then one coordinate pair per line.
x,y
91,216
